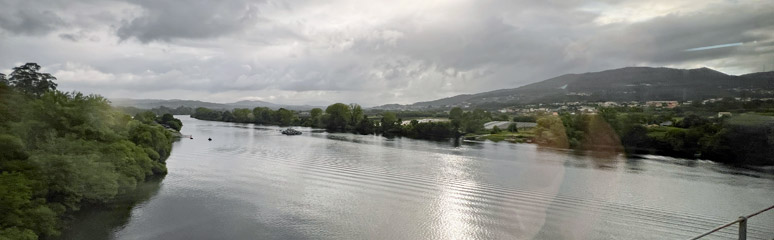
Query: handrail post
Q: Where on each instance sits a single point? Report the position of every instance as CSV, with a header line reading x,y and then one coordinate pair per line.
x,y
742,228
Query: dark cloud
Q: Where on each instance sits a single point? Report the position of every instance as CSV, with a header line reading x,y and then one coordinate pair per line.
x,y
663,40
371,52
166,20
30,21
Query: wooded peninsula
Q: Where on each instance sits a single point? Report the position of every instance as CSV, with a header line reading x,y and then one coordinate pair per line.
x,y
60,151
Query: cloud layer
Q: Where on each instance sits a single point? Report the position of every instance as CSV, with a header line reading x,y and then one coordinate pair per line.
x,y
369,52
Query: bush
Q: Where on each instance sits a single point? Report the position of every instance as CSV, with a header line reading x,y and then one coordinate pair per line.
x,y
513,128
495,130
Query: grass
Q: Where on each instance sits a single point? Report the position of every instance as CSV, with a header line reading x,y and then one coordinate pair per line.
x,y
524,135
750,119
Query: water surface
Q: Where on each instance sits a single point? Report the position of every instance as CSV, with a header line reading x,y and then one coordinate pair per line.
x,y
251,182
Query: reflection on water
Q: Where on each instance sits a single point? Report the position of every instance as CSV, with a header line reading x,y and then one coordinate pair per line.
x,y
252,182
100,222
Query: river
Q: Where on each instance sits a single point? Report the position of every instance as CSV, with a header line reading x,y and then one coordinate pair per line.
x,y
251,182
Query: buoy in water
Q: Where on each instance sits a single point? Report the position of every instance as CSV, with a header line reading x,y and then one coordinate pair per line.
x,y
209,139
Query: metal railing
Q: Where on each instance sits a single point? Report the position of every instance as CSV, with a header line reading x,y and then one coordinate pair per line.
x,y
742,225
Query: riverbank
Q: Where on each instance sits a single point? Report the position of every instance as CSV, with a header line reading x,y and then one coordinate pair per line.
x,y
63,152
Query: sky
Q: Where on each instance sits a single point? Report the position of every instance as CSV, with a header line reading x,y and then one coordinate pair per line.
x,y
368,52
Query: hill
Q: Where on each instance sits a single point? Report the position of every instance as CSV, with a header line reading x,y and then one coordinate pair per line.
x,y
624,84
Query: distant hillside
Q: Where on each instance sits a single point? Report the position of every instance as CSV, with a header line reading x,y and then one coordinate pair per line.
x,y
174,103
624,84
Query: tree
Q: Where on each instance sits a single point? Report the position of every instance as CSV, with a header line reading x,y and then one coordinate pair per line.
x,y
365,126
262,115
495,130
456,118
524,118
551,132
389,122
59,151
513,127
206,114
338,117
474,121
146,117
357,113
243,115
315,119
28,80
316,113
691,121
227,116
285,117
170,121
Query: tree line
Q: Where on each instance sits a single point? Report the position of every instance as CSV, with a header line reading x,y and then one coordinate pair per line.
x,y
60,151
745,139
341,117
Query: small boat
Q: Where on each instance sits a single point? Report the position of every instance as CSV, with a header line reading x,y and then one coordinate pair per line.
x,y
291,131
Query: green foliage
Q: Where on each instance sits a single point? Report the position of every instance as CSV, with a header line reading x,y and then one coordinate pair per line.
x,y
357,113
170,121
513,127
500,117
551,132
495,130
742,139
340,117
243,115
429,130
315,118
285,117
28,80
455,115
524,118
259,115
146,117
207,114
365,126
473,122
390,123
469,122
59,150
263,115
337,117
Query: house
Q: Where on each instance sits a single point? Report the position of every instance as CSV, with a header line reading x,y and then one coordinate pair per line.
x,y
667,104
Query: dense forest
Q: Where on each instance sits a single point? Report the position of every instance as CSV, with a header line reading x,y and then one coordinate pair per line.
x,y
60,151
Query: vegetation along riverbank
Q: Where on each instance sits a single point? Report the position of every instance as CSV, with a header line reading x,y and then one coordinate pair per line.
x,y
60,151
686,132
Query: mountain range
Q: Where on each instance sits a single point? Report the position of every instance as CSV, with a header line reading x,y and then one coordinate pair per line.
x,y
623,84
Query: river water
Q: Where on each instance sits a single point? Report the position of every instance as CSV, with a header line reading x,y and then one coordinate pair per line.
x,y
251,182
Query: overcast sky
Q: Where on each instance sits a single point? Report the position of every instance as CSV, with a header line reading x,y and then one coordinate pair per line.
x,y
368,52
